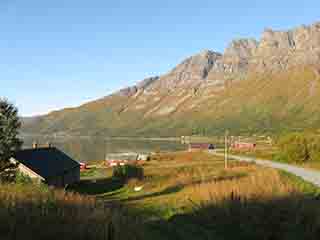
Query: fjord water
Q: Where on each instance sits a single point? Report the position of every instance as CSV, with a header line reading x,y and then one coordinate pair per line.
x,y
91,149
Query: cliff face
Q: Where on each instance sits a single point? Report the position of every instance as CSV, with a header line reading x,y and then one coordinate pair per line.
x,y
187,94
276,51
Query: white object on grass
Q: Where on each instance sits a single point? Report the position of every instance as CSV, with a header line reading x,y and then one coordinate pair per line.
x,y
137,189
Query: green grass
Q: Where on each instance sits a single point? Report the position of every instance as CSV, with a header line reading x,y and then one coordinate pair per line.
x,y
305,187
273,153
93,173
187,196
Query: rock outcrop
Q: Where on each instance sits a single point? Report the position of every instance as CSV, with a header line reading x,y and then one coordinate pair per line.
x,y
194,89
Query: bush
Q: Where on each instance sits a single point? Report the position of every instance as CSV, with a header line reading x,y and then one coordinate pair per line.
x,y
23,179
127,172
299,147
314,148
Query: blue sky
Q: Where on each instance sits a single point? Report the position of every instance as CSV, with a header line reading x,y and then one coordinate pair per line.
x,y
62,53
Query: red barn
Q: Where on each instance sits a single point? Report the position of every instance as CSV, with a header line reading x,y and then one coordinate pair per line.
x,y
83,166
244,146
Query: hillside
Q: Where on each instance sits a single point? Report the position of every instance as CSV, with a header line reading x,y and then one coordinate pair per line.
x,y
264,86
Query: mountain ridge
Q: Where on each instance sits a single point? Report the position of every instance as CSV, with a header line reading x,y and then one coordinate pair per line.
x,y
181,97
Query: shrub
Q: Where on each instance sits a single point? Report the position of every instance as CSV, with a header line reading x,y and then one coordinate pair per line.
x,y
314,148
23,179
127,172
299,147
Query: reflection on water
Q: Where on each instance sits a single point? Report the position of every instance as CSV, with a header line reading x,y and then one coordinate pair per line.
x,y
95,149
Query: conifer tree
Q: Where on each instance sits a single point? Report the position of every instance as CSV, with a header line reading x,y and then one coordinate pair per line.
x,y
9,140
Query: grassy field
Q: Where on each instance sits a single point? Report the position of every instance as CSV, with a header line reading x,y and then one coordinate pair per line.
x,y
32,212
192,196
183,196
273,153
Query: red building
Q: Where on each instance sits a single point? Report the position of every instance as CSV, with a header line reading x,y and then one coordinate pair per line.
x,y
83,166
200,147
244,146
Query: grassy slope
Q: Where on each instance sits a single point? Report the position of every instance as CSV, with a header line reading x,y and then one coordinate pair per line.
x,y
273,153
32,212
184,196
191,196
261,103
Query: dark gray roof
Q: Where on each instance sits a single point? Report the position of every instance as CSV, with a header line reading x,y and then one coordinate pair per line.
x,y
46,162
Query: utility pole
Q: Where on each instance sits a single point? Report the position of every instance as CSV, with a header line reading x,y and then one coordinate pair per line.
x,y
226,146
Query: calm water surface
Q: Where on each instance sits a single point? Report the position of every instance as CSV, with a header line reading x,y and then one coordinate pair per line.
x,y
95,149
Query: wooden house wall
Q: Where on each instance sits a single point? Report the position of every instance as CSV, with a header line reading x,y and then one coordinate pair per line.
x,y
69,177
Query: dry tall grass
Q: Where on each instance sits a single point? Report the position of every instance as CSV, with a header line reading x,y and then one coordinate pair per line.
x,y
260,184
259,206
29,212
184,196
204,201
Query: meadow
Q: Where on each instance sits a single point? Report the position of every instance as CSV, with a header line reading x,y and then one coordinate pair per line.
x,y
297,148
182,196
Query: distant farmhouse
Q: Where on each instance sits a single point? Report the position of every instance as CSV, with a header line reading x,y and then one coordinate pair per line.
x,y
194,147
120,159
48,165
244,146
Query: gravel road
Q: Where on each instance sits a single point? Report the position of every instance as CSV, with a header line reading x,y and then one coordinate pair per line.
x,y
307,174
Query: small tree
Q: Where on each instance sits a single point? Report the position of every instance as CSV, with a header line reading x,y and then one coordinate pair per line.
x,y
127,172
295,147
9,141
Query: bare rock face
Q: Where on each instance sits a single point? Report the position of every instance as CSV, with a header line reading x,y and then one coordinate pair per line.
x,y
141,86
128,92
279,50
191,72
276,51
237,55
273,41
194,90
307,38
144,84
241,49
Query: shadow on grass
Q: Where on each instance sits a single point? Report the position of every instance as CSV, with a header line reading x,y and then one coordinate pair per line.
x,y
179,187
96,186
292,217
288,218
169,190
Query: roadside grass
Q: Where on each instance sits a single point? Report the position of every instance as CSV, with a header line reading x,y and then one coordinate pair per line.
x,y
311,165
254,203
301,185
273,153
184,196
264,152
93,172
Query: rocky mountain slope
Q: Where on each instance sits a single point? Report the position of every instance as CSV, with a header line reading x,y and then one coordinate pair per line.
x,y
254,86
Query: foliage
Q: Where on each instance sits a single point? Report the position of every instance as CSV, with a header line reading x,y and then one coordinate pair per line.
x,y
191,196
127,172
184,196
9,141
299,147
22,179
294,148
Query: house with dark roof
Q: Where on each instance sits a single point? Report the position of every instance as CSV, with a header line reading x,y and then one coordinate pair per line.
x,y
48,165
